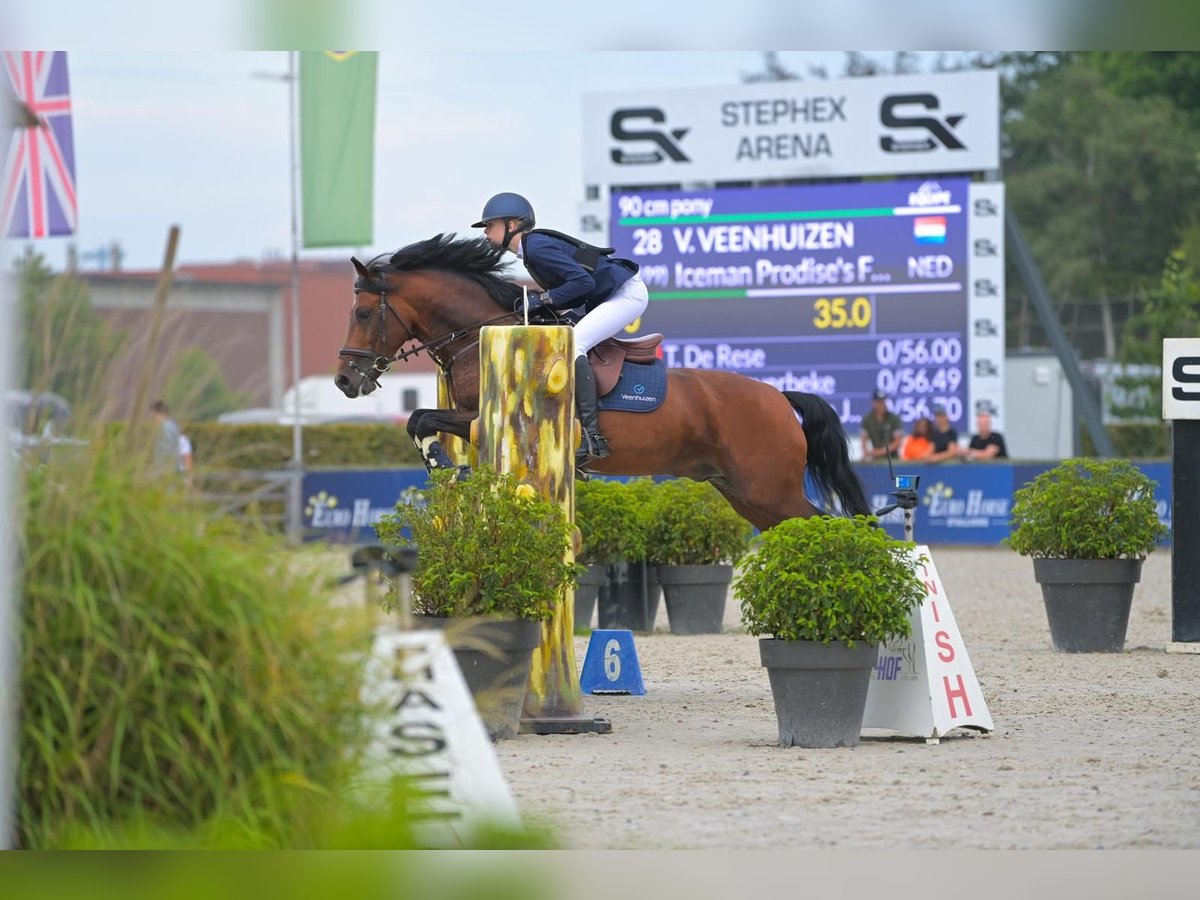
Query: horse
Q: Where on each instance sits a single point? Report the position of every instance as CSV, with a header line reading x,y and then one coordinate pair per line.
x,y
748,439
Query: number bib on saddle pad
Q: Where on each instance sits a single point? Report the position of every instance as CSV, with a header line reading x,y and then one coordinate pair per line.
x,y
641,388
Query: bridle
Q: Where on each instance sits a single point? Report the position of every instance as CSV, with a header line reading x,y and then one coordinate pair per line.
x,y
378,364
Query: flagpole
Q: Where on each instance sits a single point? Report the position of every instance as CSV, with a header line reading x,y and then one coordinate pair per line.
x,y
296,494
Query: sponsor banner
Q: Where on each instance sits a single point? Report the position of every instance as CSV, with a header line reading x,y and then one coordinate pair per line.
x,y
958,503
343,506
897,125
970,503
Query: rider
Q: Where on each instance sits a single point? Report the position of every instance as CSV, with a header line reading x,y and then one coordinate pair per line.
x,y
599,293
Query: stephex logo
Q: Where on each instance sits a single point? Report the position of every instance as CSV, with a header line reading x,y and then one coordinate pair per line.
x,y
667,141
985,207
985,368
930,193
1181,375
985,287
986,328
894,113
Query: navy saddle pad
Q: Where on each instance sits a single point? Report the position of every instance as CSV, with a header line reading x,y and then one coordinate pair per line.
x,y
642,387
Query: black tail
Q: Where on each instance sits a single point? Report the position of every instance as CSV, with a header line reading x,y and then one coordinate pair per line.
x,y
828,456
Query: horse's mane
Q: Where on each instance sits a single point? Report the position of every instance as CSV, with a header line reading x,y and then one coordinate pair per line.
x,y
472,258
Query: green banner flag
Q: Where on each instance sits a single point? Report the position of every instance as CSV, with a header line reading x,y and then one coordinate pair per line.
x,y
337,147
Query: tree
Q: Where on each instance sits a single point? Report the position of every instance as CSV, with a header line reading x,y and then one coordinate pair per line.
x,y
1101,203
197,389
1140,74
67,347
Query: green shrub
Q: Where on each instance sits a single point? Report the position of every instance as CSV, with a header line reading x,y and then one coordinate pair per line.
x,y
829,579
175,670
1086,509
486,546
691,524
613,518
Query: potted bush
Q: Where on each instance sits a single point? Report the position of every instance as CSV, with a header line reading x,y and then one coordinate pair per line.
x,y
612,517
1088,524
696,538
491,566
827,591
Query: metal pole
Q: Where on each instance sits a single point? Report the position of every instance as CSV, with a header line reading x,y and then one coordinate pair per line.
x,y
1040,298
9,622
295,495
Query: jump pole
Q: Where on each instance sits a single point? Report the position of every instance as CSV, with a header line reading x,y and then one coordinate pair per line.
x,y
526,428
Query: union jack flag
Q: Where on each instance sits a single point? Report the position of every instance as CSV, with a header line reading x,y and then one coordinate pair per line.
x,y
39,167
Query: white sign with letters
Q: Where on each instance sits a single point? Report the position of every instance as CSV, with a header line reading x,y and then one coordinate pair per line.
x,y
894,125
1181,378
432,738
925,685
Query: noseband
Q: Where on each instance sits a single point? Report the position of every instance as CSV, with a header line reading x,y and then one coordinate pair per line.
x,y
378,364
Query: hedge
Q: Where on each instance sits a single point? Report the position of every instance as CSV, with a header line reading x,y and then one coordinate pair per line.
x,y
219,446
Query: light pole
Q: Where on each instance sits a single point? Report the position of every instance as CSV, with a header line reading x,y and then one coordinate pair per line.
x,y
296,482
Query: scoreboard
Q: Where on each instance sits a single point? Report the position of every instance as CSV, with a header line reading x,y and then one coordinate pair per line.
x,y
833,289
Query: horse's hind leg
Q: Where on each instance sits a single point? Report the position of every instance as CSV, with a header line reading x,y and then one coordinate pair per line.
x,y
765,509
424,426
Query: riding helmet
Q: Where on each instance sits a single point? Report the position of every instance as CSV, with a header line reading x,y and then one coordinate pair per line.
x,y
507,206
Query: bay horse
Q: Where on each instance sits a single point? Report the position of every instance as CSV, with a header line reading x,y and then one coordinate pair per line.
x,y
750,440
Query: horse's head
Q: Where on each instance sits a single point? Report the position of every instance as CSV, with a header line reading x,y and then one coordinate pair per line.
x,y
377,330
433,292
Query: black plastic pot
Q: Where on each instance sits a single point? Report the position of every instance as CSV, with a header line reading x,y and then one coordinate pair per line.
x,y
1087,601
588,592
820,690
495,656
630,596
695,597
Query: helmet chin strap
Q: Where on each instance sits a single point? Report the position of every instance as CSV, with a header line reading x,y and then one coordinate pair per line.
x,y
509,234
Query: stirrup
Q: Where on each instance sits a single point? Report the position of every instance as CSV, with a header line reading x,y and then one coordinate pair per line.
x,y
592,445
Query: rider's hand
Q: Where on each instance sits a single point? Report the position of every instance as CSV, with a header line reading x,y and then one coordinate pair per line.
x,y
537,300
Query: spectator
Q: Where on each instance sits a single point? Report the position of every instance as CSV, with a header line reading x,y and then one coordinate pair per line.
x,y
881,429
986,444
185,460
166,441
919,444
944,437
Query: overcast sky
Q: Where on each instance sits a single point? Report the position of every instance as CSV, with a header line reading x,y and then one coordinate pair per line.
x,y
201,139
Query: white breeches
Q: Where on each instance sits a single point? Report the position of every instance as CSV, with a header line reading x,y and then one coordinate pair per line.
x,y
621,309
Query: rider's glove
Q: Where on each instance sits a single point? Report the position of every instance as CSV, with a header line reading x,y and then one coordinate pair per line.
x,y
537,300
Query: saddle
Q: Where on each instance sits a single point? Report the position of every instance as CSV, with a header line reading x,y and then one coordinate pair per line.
x,y
610,355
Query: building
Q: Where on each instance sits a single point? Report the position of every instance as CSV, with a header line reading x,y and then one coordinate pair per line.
x,y
240,314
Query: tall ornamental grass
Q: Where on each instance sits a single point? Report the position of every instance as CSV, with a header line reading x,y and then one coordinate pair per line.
x,y
175,669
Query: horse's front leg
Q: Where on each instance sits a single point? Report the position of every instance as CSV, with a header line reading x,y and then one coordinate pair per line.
x,y
424,426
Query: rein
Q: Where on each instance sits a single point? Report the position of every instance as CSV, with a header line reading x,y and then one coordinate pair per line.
x,y
379,364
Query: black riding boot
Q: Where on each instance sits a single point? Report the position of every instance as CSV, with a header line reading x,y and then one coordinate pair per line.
x,y
593,444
